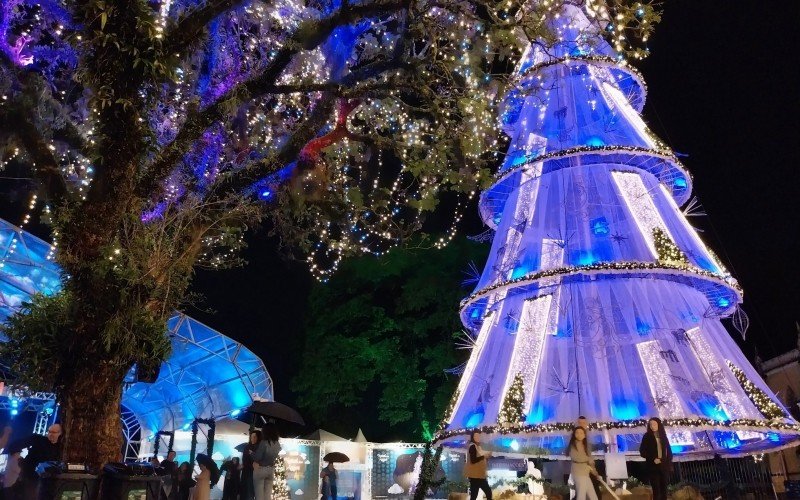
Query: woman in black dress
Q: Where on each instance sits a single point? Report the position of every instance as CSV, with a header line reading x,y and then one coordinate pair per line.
x,y
233,479
185,481
658,456
247,492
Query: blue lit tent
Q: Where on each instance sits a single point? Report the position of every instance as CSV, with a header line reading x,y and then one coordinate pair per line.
x,y
208,374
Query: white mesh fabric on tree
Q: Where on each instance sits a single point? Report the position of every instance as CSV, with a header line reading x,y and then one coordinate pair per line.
x,y
579,298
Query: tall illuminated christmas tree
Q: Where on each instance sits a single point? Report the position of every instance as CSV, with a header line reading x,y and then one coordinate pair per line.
x,y
598,298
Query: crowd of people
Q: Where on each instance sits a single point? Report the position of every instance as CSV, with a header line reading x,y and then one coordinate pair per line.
x,y
249,479
655,449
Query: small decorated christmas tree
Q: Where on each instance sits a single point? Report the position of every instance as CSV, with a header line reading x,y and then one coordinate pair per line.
x,y
512,411
668,252
280,488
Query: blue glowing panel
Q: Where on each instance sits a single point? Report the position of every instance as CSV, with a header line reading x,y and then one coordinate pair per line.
x,y
599,226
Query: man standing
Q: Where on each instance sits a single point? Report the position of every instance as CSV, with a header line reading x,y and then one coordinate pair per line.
x,y
40,449
329,477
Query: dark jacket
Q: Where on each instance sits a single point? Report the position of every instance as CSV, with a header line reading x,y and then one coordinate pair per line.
x,y
41,450
649,451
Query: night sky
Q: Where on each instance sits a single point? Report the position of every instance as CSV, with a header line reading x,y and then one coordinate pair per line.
x,y
722,89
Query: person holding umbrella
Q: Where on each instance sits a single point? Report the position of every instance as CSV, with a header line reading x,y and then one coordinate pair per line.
x,y
208,477
246,491
264,462
329,475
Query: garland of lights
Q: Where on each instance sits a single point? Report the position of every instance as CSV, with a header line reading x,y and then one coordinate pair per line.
x,y
760,399
605,267
688,422
448,412
513,403
212,424
597,60
665,155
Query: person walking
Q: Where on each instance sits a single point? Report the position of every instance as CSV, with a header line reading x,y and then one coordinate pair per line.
x,y
246,491
329,476
264,462
582,465
476,467
233,479
657,454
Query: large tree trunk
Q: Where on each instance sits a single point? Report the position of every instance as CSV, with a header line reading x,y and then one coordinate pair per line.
x,y
92,429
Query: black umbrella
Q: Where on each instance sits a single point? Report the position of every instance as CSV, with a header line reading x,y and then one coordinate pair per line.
x,y
336,456
270,410
241,447
211,465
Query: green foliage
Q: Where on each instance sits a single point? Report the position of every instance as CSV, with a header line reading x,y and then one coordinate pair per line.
x,y
46,350
427,475
38,340
381,331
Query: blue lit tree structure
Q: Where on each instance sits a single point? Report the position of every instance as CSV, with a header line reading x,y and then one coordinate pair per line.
x,y
598,296
206,376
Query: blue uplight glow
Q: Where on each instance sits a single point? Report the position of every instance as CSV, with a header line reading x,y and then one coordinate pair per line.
x,y
642,327
680,183
623,409
474,419
710,407
583,258
539,414
595,141
723,302
236,413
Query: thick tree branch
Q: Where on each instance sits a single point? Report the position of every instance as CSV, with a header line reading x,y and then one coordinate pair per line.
x,y
308,36
188,29
244,178
45,166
